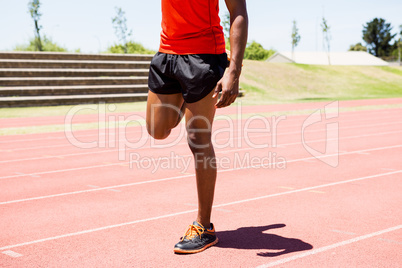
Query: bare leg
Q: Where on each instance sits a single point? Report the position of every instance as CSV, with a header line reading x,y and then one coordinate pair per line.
x,y
163,113
199,118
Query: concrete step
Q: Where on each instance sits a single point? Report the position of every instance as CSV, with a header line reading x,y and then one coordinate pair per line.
x,y
63,81
17,72
90,64
72,56
70,100
72,90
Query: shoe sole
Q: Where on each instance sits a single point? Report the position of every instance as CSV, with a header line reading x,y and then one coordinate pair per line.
x,y
178,250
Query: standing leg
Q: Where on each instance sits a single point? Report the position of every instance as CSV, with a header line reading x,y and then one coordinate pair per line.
x,y
199,119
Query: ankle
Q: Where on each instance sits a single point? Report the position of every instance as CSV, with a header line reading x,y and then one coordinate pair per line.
x,y
206,224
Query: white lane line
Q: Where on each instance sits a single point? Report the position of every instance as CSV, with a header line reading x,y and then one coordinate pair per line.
x,y
179,177
294,132
293,118
194,210
390,241
286,187
23,174
311,188
317,192
57,171
114,190
12,253
97,229
93,190
55,156
223,210
326,248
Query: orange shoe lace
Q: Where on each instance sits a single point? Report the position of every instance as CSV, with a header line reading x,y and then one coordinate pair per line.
x,y
193,231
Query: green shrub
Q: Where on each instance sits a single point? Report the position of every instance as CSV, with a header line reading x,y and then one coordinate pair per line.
x,y
357,47
255,51
47,45
132,48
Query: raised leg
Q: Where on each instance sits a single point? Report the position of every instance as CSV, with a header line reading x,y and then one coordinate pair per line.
x,y
163,113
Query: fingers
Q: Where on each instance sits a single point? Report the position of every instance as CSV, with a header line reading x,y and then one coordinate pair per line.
x,y
230,90
222,101
218,88
227,98
233,97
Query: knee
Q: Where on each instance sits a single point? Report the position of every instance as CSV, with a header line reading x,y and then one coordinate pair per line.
x,y
158,133
199,142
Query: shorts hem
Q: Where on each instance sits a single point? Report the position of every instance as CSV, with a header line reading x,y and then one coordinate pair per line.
x,y
164,93
200,96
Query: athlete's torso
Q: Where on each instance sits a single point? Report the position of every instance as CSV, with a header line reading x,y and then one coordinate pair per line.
x,y
191,27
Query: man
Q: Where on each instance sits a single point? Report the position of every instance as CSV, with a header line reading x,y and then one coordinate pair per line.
x,y
185,78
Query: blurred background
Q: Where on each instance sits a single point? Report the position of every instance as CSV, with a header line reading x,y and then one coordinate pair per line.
x,y
86,26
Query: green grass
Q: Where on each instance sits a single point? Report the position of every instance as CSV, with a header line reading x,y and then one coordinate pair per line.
x,y
281,83
395,70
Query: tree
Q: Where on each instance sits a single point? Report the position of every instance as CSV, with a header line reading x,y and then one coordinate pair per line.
x,y
226,29
120,28
400,45
396,48
377,35
255,51
226,25
357,47
326,36
33,7
295,38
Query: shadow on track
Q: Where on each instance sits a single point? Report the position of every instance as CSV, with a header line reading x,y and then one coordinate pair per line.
x,y
254,238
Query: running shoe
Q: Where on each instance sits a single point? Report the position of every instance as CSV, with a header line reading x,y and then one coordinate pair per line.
x,y
196,239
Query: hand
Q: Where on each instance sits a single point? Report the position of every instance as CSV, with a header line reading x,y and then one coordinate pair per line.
x,y
229,85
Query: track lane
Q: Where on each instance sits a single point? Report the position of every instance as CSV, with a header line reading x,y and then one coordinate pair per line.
x,y
132,245
87,209
68,180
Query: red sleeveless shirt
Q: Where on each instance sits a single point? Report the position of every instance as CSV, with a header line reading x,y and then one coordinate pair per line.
x,y
191,27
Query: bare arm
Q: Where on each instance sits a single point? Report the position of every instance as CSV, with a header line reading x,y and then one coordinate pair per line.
x,y
229,84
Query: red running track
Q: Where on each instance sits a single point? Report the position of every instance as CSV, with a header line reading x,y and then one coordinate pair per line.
x,y
65,206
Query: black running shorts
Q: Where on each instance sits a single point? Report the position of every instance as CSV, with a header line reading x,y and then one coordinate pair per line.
x,y
194,76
